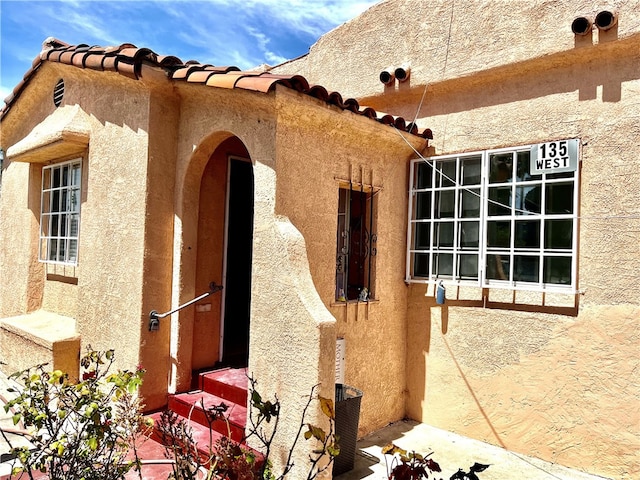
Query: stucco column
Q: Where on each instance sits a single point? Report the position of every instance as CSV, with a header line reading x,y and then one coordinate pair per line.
x,y
292,336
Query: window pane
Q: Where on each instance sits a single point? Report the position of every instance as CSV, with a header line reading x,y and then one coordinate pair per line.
x,y
420,264
527,234
526,268
443,234
53,250
65,204
468,266
423,177
422,236
498,267
471,170
46,179
498,234
559,198
445,204
46,202
470,203
469,234
56,177
500,167
523,172
443,264
446,173
557,270
75,174
74,200
55,225
62,244
73,250
55,201
73,228
528,200
558,234
65,175
422,205
500,200
63,226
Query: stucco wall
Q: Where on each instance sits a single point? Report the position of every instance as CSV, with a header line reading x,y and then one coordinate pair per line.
x,y
319,150
443,41
560,384
103,293
289,325
20,206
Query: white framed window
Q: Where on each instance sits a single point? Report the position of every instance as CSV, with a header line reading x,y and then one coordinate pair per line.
x,y
496,218
60,212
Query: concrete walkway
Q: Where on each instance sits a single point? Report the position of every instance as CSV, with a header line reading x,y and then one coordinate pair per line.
x,y
451,452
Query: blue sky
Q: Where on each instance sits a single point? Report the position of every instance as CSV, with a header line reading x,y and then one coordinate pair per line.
x,y
244,33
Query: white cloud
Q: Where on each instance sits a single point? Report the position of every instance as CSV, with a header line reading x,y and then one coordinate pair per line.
x,y
263,41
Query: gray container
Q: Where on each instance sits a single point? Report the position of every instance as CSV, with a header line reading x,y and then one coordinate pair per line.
x,y
347,418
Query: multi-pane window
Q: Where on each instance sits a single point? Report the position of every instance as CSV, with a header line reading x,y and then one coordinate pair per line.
x,y
60,212
484,218
356,245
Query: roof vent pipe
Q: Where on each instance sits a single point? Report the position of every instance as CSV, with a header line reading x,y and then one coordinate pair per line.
x,y
606,20
402,73
581,26
387,76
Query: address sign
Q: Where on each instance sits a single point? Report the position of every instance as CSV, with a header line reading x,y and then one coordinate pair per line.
x,y
554,157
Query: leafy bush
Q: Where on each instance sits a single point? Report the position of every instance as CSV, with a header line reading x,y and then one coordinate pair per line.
x,y
406,465
84,430
232,460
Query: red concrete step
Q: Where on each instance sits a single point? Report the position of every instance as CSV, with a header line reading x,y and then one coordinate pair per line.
x,y
155,465
204,438
194,405
231,384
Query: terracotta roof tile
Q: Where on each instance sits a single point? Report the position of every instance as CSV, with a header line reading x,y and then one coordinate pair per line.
x,y
319,92
93,61
127,60
78,59
258,84
109,62
200,77
225,80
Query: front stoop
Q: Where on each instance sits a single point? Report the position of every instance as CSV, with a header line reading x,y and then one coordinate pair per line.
x,y
228,386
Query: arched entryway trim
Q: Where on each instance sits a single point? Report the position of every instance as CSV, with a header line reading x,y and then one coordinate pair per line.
x,y
199,254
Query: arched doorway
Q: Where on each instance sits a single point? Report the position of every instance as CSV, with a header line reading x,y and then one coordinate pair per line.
x,y
224,256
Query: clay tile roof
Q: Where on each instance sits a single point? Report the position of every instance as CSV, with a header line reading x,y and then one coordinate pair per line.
x,y
127,60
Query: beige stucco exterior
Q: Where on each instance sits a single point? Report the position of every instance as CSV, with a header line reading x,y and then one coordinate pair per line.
x,y
554,376
154,185
545,374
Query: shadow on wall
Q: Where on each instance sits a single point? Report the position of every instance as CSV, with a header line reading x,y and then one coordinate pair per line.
x,y
539,78
419,370
432,357
445,326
